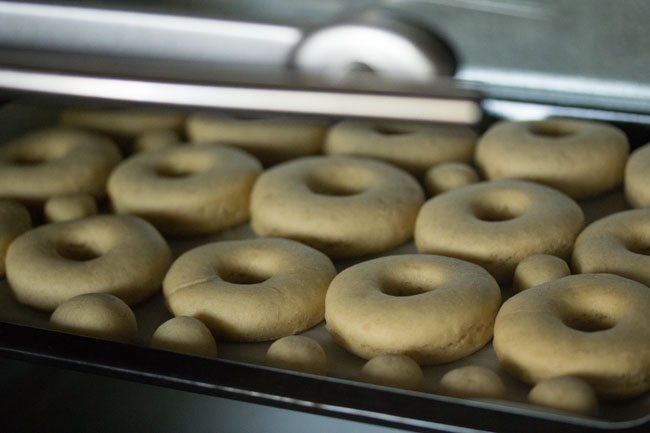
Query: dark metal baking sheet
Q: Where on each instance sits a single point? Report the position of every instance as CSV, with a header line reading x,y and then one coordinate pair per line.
x,y
239,372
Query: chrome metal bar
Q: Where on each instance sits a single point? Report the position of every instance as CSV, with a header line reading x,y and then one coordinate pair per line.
x,y
249,98
143,35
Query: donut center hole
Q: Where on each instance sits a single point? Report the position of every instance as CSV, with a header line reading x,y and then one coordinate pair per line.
x,y
403,288
640,249
392,130
242,276
588,322
28,160
492,212
184,164
77,251
551,129
174,172
339,182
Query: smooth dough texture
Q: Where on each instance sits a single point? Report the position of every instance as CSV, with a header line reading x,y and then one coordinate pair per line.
x,y
158,139
250,290
538,269
565,393
637,177
398,371
617,244
186,190
580,158
343,206
14,220
97,315
433,309
592,326
122,122
70,207
412,147
54,162
472,382
186,335
298,353
497,224
448,176
271,140
116,254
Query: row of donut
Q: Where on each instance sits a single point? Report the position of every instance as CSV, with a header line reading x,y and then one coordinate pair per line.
x,y
393,311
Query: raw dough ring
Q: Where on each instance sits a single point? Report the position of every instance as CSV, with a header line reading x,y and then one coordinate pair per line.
x,y
250,290
617,244
637,177
186,190
499,223
14,220
592,326
54,162
271,140
343,206
578,157
117,254
122,122
412,147
433,309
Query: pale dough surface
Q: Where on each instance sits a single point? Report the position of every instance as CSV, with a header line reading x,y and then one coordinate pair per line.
x,y
14,221
97,315
448,176
472,381
186,335
70,207
565,393
299,353
398,371
538,269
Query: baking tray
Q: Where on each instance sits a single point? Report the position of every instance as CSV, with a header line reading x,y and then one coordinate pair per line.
x,y
239,372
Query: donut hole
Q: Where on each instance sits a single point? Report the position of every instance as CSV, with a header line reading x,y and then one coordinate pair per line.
x,y
235,275
493,212
77,251
500,205
339,181
552,129
28,160
413,280
392,130
643,249
588,321
183,165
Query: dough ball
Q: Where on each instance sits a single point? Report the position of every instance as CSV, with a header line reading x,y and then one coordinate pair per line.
x,y
97,315
298,353
449,175
187,335
398,371
70,207
472,382
565,393
539,269
155,140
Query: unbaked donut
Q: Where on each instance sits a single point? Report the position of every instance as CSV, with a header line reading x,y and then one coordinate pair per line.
x,y
433,309
340,205
472,381
298,353
617,244
565,393
592,326
398,371
637,177
54,162
97,315
499,223
117,254
156,140
449,175
580,158
186,190
538,269
412,147
250,290
186,335
271,140
69,207
14,220
122,122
